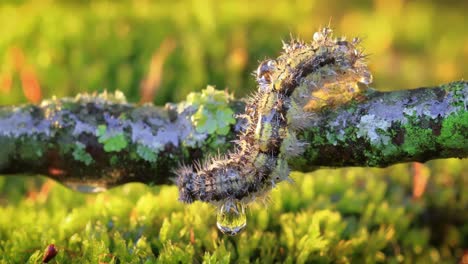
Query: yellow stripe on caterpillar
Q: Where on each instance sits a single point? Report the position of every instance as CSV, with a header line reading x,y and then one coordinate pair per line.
x,y
267,103
264,135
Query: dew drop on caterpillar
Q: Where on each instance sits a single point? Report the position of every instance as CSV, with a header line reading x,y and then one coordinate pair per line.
x,y
303,80
264,71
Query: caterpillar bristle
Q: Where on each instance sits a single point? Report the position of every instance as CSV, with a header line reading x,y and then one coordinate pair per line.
x,y
289,180
198,165
254,97
281,171
301,120
298,118
292,147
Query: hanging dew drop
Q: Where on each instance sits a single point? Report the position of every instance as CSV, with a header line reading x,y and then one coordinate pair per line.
x,y
231,218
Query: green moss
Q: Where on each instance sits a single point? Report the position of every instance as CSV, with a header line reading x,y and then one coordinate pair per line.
x,y
114,160
8,146
350,133
347,215
31,149
310,154
454,132
416,138
318,137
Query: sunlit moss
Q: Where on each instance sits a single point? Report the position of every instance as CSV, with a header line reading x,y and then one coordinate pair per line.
x,y
347,215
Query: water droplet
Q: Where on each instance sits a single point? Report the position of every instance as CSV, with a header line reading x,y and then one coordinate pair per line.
x,y
366,78
231,218
318,36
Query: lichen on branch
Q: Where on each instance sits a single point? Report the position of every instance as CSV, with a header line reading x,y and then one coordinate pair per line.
x,y
390,127
59,138
100,140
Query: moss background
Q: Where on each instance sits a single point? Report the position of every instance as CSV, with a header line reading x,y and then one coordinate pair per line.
x,y
162,51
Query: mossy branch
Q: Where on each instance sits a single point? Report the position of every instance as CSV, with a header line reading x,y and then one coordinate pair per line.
x,y
102,141
391,127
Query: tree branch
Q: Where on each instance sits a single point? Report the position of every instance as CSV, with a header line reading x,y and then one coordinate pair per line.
x,y
391,127
98,141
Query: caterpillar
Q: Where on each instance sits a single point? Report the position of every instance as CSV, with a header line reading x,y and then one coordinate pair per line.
x,y
303,80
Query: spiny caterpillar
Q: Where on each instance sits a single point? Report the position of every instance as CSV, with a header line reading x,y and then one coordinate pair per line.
x,y
304,79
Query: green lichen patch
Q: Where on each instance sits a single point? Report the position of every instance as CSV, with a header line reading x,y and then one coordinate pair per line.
x,y
213,115
146,153
80,154
111,143
389,150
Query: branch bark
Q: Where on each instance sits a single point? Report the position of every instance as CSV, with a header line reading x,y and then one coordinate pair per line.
x,y
98,141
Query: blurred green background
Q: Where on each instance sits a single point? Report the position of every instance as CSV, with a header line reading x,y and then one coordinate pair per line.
x,y
161,51
74,46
